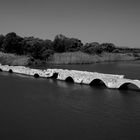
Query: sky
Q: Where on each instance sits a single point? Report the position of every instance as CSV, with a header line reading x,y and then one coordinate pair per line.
x,y
113,21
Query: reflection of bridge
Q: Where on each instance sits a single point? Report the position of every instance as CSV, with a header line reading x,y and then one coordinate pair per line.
x,y
81,77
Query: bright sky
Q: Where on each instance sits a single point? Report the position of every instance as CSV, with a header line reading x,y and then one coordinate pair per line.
x,y
116,21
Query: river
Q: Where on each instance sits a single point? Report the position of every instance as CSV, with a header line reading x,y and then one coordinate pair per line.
x,y
47,109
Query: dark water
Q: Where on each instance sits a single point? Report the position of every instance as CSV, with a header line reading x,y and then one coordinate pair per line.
x,y
46,109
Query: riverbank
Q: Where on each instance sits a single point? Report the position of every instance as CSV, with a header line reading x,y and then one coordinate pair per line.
x,y
13,60
84,58
66,58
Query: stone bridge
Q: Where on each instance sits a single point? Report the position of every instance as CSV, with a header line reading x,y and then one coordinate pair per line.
x,y
81,77
84,77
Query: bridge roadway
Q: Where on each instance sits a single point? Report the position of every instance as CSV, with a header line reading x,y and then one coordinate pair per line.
x,y
81,77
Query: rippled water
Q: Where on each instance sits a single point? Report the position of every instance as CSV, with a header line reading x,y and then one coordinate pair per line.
x,y
49,109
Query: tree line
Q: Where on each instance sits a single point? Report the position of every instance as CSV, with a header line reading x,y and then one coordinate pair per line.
x,y
43,49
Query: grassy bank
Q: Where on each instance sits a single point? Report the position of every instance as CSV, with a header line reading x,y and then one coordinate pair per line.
x,y
84,58
12,59
65,58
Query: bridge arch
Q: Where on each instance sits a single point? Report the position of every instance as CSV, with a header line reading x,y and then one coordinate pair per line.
x,y
128,85
36,75
10,71
98,83
69,79
55,75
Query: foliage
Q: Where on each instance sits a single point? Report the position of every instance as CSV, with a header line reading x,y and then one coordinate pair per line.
x,y
58,43
33,47
108,47
1,41
64,44
92,48
96,48
12,43
29,44
42,50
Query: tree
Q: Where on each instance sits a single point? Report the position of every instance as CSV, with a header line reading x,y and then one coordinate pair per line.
x,y
37,48
1,41
12,43
28,44
58,43
48,44
46,54
73,44
108,47
92,48
65,44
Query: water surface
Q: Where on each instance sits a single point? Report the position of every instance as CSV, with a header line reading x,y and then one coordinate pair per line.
x,y
42,109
